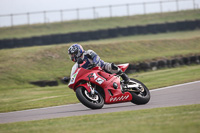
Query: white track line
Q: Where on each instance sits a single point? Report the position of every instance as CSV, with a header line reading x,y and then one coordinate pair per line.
x,y
80,103
168,87
163,88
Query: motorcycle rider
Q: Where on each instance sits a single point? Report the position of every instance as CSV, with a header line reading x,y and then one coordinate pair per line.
x,y
76,51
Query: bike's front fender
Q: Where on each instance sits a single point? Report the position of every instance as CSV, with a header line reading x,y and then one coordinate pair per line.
x,y
85,85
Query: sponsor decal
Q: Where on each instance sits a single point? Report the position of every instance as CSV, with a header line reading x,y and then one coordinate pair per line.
x,y
97,79
90,76
115,99
72,80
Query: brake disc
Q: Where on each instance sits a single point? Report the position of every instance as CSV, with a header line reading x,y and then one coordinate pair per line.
x,y
92,97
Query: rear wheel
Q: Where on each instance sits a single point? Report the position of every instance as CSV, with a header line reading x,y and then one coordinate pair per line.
x,y
94,101
142,96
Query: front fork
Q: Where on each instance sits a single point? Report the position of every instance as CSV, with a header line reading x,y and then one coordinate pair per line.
x,y
92,90
88,87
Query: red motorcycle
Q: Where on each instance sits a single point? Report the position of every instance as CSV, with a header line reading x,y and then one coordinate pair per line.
x,y
94,87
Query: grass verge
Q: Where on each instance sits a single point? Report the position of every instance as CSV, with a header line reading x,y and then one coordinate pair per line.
x,y
28,98
20,66
91,25
165,120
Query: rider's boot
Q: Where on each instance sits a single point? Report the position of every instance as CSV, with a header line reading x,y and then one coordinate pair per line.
x,y
120,73
124,77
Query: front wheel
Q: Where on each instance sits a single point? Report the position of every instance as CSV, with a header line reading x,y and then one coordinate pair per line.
x,y
141,97
94,101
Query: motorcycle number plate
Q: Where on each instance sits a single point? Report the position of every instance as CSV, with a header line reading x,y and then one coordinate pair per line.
x,y
99,80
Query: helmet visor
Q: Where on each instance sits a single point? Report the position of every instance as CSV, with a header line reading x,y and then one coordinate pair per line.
x,y
72,57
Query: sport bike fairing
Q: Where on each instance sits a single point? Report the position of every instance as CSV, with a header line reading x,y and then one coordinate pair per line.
x,y
104,80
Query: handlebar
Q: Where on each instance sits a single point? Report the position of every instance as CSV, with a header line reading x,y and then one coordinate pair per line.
x,y
80,61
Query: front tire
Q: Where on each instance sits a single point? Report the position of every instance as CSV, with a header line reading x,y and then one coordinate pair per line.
x,y
140,97
94,102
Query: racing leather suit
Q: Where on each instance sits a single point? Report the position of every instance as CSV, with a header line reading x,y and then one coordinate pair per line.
x,y
91,58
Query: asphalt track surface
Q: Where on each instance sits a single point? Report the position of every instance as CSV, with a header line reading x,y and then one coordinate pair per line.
x,y
182,94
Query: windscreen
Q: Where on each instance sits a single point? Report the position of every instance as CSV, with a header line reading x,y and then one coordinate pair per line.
x,y
75,66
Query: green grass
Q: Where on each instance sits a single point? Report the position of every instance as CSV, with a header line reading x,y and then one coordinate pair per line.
x,y
181,119
28,98
90,25
19,66
167,77
20,99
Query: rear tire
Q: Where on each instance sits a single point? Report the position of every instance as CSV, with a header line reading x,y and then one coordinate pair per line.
x,y
142,97
86,99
